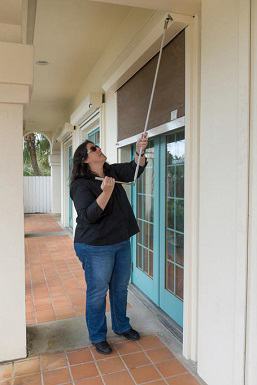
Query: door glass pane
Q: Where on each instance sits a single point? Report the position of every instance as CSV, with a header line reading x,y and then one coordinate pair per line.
x,y
170,245
170,276
179,215
175,155
170,212
179,249
145,216
97,138
179,181
179,282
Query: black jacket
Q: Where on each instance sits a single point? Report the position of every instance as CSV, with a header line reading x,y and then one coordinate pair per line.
x,y
116,223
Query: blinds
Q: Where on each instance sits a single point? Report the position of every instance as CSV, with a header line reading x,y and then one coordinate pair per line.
x,y
134,96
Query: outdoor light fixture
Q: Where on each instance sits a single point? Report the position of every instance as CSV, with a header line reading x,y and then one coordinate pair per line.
x,y
42,62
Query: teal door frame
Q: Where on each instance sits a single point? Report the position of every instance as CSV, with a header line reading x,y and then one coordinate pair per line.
x,y
169,303
145,283
155,288
93,136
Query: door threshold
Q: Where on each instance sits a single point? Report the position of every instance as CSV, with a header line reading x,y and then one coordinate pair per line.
x,y
166,320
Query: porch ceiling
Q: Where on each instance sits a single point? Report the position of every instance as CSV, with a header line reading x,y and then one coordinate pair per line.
x,y
185,7
10,11
70,35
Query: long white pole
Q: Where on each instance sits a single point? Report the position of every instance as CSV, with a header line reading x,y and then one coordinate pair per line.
x,y
168,18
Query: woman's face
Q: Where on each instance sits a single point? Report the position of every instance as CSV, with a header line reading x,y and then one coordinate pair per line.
x,y
95,155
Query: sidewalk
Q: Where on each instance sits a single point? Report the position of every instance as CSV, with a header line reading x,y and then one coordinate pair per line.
x,y
59,349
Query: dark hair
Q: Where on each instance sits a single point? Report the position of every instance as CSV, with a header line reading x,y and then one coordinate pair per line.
x,y
81,169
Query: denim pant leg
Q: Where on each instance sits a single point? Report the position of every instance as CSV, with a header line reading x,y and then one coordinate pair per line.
x,y
119,288
98,264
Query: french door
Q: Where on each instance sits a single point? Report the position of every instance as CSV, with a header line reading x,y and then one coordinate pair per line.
x,y
158,201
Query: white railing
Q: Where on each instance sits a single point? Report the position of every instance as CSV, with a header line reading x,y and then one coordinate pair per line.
x,y
37,194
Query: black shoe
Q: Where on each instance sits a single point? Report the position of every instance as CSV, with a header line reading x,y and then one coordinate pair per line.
x,y
131,335
103,347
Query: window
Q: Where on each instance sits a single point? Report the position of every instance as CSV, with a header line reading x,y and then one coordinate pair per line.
x,y
94,136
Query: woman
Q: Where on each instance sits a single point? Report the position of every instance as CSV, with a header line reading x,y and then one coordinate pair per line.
x,y
105,223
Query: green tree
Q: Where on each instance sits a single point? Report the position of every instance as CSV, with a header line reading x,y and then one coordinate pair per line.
x,y
31,145
36,155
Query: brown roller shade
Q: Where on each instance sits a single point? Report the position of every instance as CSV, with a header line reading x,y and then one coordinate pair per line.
x,y
134,95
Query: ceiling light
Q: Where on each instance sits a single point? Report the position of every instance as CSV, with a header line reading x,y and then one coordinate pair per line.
x,y
42,62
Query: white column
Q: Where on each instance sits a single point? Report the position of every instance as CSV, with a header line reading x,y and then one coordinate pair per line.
x,y
224,154
16,74
55,163
12,272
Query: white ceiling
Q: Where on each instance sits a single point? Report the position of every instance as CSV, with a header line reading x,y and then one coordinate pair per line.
x,y
185,7
10,11
70,35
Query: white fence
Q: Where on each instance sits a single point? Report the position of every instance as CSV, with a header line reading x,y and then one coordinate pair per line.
x,y
37,194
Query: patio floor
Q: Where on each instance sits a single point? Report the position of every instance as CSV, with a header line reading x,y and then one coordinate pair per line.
x,y
55,290
55,283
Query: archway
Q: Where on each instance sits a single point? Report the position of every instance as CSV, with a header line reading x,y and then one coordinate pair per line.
x,y
36,152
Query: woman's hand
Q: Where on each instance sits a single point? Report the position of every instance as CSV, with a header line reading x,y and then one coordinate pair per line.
x,y
108,185
142,143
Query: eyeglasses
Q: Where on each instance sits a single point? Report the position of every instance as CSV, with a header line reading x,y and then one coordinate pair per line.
x,y
92,149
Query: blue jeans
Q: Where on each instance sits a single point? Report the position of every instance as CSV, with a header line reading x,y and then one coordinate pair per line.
x,y
106,267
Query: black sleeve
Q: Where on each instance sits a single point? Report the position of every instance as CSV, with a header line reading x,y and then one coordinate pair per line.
x,y
126,171
85,203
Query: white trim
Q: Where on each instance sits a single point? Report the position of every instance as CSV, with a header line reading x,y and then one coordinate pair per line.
x,y
166,127
86,108
64,132
90,119
192,161
67,139
241,257
89,125
251,327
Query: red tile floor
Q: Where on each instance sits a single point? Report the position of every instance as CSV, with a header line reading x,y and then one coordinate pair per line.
x,y
38,223
147,361
55,289
55,283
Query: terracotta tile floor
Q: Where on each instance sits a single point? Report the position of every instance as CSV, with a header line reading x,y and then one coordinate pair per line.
x,y
147,361
55,283
55,289
40,223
